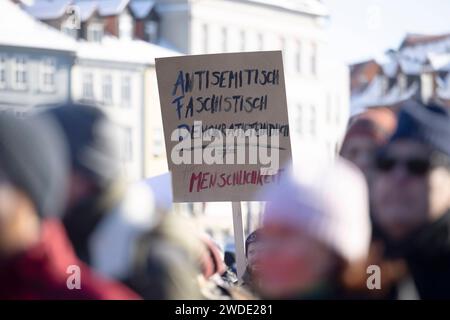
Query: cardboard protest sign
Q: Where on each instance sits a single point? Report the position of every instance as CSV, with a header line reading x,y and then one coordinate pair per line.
x,y
225,124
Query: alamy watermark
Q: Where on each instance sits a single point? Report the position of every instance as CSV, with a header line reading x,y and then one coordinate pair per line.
x,y
228,146
73,281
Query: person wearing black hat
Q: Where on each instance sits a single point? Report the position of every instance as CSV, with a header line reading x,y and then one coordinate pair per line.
x,y
411,197
34,251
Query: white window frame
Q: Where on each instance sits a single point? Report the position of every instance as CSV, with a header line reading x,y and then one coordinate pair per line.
x,y
260,42
298,57
95,31
158,142
125,26
283,47
107,89
4,71
16,71
313,59
87,84
224,38
47,71
243,40
151,29
299,119
205,38
125,91
127,151
312,120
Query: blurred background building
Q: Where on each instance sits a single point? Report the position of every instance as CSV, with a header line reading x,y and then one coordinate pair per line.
x,y
35,62
418,68
108,59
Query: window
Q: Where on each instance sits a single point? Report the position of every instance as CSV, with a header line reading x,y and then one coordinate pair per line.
x,y
313,59
71,32
328,109
48,69
95,32
71,27
402,83
20,73
151,31
243,40
88,86
158,142
126,91
337,106
260,42
224,39
312,120
107,89
125,26
283,49
2,71
298,58
299,119
127,144
205,32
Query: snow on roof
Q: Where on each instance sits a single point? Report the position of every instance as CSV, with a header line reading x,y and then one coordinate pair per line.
x,y
390,67
439,62
313,7
122,50
54,9
17,28
111,7
374,95
86,9
141,9
47,10
411,67
413,39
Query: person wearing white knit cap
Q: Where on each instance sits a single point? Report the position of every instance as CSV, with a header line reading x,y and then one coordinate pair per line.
x,y
316,225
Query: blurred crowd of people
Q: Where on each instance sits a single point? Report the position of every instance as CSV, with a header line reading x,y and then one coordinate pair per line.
x,y
66,210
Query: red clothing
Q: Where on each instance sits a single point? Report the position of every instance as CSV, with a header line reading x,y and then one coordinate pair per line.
x,y
41,272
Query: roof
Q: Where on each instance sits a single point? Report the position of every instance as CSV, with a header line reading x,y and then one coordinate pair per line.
x,y
110,7
86,9
54,9
362,73
312,7
122,50
141,8
47,10
413,39
374,95
30,33
439,62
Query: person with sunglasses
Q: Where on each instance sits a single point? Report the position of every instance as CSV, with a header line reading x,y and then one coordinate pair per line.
x,y
411,198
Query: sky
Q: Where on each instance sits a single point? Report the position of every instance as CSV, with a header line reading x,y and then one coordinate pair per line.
x,y
364,29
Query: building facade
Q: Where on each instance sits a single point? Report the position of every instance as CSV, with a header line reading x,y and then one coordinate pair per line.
x,y
418,69
33,72
115,70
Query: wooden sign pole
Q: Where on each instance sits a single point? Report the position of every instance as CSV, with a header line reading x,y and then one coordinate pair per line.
x,y
239,240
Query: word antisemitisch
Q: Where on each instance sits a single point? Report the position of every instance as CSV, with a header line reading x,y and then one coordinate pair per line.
x,y
187,107
207,180
204,79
